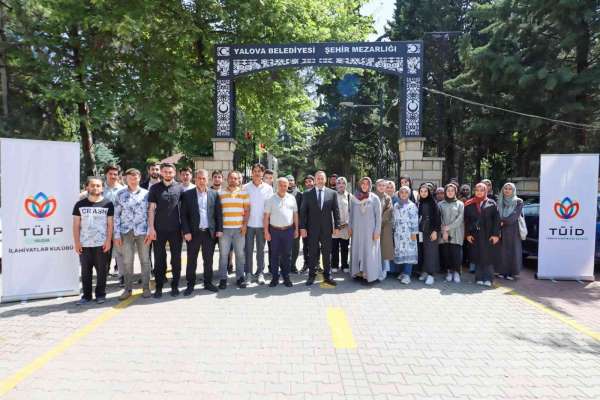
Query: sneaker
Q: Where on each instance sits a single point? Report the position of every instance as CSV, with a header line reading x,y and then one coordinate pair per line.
x,y
449,277
125,295
400,276
146,293
479,283
346,270
335,270
100,300
487,283
260,279
405,280
82,302
423,276
242,283
429,280
510,277
456,277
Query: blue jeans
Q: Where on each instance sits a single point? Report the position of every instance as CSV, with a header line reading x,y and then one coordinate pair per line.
x,y
407,269
232,237
251,234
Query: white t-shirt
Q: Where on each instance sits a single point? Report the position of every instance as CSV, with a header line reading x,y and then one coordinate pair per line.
x,y
258,196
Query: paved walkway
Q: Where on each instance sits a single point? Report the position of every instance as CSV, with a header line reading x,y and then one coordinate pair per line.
x,y
449,341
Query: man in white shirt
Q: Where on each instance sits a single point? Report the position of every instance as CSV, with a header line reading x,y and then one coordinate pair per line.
x,y
259,192
281,228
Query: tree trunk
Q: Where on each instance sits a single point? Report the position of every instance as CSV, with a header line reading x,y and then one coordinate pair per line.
x,y
83,109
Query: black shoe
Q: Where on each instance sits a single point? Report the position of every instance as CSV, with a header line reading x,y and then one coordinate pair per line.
x,y
157,293
294,270
187,291
223,284
210,287
274,282
288,283
329,281
174,292
310,280
242,283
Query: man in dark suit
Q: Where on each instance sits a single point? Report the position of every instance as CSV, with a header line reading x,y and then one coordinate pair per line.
x,y
201,224
319,219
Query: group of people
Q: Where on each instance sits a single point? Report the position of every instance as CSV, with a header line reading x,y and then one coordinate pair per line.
x,y
375,231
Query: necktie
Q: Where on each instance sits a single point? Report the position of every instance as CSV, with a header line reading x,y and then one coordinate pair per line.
x,y
319,199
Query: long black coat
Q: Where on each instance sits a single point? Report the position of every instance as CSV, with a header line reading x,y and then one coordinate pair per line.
x,y
483,224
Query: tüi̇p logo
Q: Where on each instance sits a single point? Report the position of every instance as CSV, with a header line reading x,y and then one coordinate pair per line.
x,y
566,209
40,205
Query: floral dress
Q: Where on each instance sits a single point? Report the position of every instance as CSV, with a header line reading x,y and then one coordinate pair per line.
x,y
406,223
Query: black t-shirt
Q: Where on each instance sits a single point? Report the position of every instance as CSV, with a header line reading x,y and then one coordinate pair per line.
x,y
167,199
94,217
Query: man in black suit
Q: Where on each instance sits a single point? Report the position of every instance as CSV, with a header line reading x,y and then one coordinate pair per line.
x,y
319,219
201,224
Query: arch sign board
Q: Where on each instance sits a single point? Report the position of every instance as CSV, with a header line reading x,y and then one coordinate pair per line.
x,y
404,59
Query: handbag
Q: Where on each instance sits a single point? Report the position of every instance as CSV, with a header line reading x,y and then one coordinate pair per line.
x,y
522,227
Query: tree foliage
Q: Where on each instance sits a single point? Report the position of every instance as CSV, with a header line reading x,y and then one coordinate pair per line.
x,y
137,75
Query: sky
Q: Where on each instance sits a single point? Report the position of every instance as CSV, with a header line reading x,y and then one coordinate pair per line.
x,y
382,11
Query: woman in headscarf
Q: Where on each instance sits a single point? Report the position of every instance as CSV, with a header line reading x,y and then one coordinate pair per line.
x,y
341,240
463,195
406,229
429,227
365,229
482,224
387,226
406,181
510,208
453,232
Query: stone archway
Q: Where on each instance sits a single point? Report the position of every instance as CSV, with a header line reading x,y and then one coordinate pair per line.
x,y
404,59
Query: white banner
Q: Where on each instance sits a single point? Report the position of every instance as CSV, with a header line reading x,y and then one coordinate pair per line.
x,y
568,207
40,182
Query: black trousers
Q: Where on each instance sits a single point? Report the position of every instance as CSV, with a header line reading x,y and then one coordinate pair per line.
x,y
319,245
295,252
451,256
202,240
90,258
305,251
160,257
339,246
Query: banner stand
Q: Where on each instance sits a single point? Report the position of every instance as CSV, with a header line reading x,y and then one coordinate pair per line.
x,y
568,215
40,185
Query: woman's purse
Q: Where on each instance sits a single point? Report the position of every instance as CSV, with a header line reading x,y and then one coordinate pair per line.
x,y
522,227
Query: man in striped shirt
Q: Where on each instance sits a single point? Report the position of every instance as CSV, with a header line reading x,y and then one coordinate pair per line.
x,y
235,204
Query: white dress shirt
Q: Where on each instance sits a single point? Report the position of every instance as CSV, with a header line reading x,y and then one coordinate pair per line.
x,y
203,208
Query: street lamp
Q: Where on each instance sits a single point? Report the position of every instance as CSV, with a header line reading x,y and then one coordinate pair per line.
x,y
379,106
